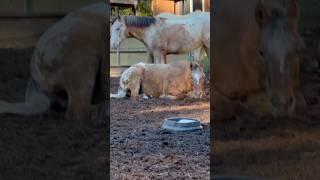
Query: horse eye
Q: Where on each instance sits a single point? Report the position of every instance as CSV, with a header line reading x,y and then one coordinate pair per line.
x,y
118,29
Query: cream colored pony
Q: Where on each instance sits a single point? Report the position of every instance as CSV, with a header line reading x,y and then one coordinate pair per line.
x,y
170,81
69,57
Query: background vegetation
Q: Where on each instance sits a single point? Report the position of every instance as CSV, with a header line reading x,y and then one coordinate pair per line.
x,y
310,14
143,9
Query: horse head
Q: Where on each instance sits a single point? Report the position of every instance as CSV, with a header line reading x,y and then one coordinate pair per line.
x,y
280,45
117,32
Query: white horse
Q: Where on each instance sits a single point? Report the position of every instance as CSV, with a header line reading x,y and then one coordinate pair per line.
x,y
196,54
164,36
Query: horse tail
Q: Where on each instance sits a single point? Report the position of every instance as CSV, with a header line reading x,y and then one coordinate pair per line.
x,y
36,102
120,94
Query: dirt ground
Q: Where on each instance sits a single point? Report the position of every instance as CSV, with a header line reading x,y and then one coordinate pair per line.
x,y
141,150
46,146
275,148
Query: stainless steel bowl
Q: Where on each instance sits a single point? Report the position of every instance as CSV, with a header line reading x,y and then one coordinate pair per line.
x,y
181,124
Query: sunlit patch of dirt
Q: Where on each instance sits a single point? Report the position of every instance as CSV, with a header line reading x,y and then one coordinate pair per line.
x,y
141,150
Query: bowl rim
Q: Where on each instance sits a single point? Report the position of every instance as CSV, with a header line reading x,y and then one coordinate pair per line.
x,y
176,117
181,128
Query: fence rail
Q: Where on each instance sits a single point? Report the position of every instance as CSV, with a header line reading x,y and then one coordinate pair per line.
x,y
129,51
31,15
118,51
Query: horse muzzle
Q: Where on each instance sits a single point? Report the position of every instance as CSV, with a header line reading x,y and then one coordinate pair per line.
x,y
114,46
283,110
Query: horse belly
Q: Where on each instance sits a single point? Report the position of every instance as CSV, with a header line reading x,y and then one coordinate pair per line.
x,y
176,39
151,88
153,80
177,88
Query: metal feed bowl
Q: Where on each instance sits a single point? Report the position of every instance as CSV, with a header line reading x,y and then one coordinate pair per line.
x,y
180,124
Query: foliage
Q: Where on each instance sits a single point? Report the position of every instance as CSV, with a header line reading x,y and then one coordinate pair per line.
x,y
206,63
143,9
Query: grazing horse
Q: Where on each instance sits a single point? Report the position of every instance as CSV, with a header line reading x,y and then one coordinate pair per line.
x,y
67,66
164,36
197,54
257,67
170,81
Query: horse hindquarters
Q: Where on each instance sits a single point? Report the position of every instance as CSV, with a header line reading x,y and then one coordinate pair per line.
x,y
80,88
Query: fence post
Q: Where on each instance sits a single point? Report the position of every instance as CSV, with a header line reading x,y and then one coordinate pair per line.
x,y
118,56
28,7
191,6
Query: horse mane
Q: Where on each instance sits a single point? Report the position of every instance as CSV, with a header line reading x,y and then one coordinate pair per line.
x,y
113,19
276,14
139,21
277,23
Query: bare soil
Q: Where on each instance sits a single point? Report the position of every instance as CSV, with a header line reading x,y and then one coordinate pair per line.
x,y
276,148
48,147
44,146
141,150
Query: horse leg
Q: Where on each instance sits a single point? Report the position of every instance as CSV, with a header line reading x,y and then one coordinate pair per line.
x,y
165,96
157,57
150,57
135,92
36,102
169,92
134,87
160,57
80,90
165,58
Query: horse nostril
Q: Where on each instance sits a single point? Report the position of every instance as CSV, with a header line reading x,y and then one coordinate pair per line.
x,y
274,101
291,100
261,53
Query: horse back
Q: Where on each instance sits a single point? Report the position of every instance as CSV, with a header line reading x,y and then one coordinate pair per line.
x,y
161,77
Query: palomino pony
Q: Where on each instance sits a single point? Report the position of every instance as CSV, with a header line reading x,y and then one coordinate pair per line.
x,y
69,58
197,54
170,81
164,36
258,66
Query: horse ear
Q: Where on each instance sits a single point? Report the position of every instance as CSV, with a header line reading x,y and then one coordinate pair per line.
x,y
293,13
261,14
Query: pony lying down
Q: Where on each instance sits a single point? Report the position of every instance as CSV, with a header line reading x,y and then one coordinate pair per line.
x,y
169,81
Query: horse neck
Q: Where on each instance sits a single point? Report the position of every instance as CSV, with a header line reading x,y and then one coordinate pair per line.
x,y
136,32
